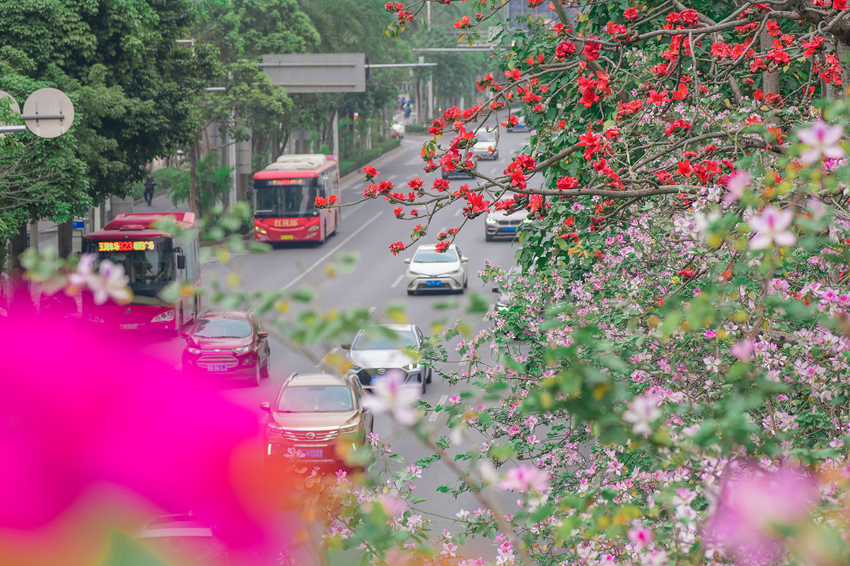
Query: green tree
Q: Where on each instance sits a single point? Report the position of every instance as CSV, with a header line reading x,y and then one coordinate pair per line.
x,y
214,184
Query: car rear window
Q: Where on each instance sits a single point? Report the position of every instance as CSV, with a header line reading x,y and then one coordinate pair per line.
x,y
316,399
223,328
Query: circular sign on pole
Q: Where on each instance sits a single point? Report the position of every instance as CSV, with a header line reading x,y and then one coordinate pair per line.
x,y
11,101
48,113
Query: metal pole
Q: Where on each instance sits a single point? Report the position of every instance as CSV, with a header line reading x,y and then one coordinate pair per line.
x,y
336,134
34,235
231,162
430,95
12,129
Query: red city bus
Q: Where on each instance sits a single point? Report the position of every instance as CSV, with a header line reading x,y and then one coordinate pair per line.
x,y
285,199
152,259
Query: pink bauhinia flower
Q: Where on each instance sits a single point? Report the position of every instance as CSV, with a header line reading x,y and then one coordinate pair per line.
x,y
643,410
737,183
525,478
822,140
640,536
771,228
391,394
109,281
754,506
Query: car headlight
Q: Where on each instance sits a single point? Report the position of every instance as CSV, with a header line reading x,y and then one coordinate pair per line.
x,y
95,318
413,366
271,429
243,350
349,429
490,220
355,369
455,272
164,317
313,228
260,230
415,272
193,350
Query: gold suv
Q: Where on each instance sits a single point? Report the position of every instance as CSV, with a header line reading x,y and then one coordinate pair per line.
x,y
312,415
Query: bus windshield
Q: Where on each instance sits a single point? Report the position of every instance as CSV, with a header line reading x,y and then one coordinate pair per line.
x,y
298,198
149,264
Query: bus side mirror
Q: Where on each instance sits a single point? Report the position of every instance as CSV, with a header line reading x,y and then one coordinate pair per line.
x,y
181,262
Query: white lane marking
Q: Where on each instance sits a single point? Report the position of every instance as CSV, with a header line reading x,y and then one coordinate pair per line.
x,y
397,281
435,414
459,210
415,161
326,356
392,178
371,310
443,229
333,251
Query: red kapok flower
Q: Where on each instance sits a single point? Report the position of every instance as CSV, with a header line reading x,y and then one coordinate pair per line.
x,y
396,248
631,13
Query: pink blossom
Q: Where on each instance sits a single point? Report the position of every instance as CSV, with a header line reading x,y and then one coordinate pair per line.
x,y
525,478
391,394
737,183
109,281
640,536
771,228
743,350
822,140
709,334
643,410
753,503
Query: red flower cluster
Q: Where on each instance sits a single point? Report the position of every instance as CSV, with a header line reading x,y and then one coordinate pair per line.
x,y
322,202
591,49
591,142
565,49
393,7
396,248
566,183
441,247
591,88
631,13
463,23
678,124
370,172
517,169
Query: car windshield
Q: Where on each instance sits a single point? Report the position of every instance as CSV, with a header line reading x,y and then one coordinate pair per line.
x,y
297,198
403,339
316,399
433,256
485,137
222,328
148,264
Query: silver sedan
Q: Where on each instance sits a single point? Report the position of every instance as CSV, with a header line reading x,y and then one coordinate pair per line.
x,y
430,270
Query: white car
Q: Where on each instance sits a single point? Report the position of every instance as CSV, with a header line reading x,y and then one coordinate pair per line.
x,y
498,224
430,270
485,146
373,356
397,129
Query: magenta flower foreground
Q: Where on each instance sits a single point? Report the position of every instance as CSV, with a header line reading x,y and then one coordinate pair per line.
x,y
392,395
822,140
771,228
101,409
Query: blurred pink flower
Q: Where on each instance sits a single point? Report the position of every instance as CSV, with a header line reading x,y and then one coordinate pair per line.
x,y
640,536
525,478
771,228
109,281
391,394
642,412
83,409
822,140
751,506
743,350
737,183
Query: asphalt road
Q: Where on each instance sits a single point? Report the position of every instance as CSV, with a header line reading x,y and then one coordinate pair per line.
x,y
368,229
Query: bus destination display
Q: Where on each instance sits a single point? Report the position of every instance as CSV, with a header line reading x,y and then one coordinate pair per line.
x,y
125,246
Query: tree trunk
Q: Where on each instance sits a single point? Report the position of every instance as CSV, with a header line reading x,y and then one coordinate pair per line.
x,y
193,175
19,244
64,235
841,51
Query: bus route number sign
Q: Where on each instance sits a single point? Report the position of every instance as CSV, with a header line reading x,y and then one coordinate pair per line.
x,y
125,246
285,181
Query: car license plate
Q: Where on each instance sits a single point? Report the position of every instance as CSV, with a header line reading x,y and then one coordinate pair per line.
x,y
129,326
311,452
287,237
434,283
509,229
216,367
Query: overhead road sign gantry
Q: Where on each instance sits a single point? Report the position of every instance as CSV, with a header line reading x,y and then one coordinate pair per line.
x,y
317,72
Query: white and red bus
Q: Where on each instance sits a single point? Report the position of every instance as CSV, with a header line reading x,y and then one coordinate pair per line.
x,y
285,199
152,259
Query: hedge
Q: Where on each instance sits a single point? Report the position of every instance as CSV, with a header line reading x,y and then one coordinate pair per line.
x,y
360,159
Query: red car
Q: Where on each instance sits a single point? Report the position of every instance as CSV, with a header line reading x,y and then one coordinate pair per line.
x,y
232,344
